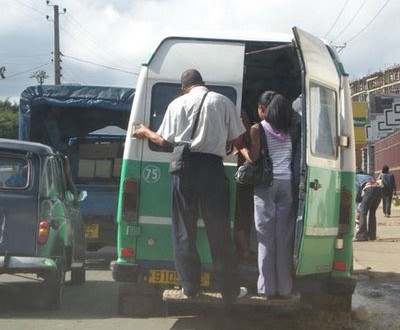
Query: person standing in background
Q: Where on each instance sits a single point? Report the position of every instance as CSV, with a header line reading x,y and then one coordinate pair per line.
x,y
370,198
388,184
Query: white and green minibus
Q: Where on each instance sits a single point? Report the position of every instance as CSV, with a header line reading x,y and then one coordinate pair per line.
x,y
242,67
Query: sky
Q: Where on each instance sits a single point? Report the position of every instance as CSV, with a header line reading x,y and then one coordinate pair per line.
x,y
104,42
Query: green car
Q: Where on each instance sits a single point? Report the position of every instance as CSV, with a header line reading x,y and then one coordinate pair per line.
x,y
41,230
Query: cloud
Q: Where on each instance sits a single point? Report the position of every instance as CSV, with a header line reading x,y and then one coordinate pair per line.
x,y
98,35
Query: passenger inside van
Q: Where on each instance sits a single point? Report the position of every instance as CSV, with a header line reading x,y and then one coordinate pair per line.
x,y
244,210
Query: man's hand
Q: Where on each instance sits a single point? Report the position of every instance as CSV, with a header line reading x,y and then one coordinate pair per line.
x,y
141,132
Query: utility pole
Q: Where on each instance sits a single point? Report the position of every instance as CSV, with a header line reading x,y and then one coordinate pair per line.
x,y
56,53
57,67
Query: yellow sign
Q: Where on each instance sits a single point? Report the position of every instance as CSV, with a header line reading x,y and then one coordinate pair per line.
x,y
92,230
360,119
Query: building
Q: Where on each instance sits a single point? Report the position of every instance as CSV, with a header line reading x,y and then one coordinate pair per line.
x,y
382,82
376,114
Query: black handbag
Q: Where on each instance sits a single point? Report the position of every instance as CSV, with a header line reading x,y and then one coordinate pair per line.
x,y
181,151
260,173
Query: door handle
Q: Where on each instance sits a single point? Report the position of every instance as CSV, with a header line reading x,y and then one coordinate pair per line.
x,y
315,184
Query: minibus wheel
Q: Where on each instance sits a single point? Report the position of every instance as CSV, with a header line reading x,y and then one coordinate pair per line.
x,y
140,299
327,301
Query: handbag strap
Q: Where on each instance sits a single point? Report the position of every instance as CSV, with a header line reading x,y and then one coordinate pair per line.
x,y
263,141
196,121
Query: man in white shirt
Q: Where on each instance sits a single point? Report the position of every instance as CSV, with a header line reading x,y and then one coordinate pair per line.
x,y
203,183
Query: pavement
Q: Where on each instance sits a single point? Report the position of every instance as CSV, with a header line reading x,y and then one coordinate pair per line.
x,y
380,257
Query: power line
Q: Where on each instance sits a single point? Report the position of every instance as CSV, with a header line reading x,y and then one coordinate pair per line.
x,y
351,21
23,56
30,7
23,72
365,27
337,18
102,65
91,38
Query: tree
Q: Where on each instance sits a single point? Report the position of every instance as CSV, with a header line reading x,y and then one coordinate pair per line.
x,y
8,120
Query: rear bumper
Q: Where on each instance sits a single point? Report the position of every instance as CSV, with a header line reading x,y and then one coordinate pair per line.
x,y
125,272
333,285
17,264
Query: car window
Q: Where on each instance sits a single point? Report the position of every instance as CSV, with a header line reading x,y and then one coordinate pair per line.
x,y
14,173
59,178
50,186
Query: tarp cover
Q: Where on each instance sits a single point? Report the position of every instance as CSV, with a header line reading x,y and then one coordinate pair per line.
x,y
77,110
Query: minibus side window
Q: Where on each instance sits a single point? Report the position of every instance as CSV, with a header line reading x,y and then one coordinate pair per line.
x,y
163,94
323,121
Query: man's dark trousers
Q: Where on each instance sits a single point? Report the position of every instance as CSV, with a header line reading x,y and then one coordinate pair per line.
x,y
203,188
369,204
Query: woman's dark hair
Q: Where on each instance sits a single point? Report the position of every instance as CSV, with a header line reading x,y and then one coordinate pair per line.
x,y
278,110
191,77
385,169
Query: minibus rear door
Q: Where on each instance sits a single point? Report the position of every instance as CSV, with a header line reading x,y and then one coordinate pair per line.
x,y
317,223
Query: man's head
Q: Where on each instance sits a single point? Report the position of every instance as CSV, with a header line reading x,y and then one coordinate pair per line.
x,y
191,78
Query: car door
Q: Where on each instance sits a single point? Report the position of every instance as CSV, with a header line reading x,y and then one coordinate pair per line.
x,y
18,203
317,223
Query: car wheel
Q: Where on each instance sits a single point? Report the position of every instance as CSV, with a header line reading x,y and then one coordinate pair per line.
x,y
53,287
78,275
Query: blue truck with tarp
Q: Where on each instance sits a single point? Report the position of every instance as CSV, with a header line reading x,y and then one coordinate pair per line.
x,y
87,124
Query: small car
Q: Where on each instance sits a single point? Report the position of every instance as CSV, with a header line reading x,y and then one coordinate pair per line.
x,y
41,228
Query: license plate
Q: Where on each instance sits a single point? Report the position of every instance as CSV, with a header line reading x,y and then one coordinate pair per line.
x,y
164,276
92,231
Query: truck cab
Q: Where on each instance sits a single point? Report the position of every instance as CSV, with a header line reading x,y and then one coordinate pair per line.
x,y
299,66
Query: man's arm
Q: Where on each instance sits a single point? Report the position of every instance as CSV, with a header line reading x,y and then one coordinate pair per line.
x,y
238,143
144,132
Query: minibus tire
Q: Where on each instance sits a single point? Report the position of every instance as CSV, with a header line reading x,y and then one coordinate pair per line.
x,y
140,299
327,301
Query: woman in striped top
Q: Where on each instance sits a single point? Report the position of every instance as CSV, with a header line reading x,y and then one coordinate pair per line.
x,y
273,214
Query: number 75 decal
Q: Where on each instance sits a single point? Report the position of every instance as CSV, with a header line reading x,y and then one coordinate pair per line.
x,y
151,174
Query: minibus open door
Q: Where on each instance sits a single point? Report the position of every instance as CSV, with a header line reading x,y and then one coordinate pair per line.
x,y
318,218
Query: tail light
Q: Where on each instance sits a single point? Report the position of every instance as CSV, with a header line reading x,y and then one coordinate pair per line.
x,y
43,232
345,216
130,196
339,265
127,252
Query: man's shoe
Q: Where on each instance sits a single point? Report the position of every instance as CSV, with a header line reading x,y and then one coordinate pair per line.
x,y
242,293
229,299
188,296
